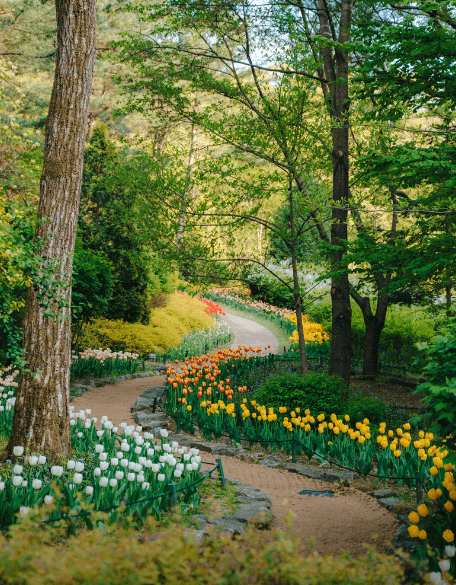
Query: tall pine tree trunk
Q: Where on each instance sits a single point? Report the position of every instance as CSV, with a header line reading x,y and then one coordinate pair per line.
x,y
41,414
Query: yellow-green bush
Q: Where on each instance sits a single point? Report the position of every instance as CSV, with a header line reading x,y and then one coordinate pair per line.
x,y
167,325
123,557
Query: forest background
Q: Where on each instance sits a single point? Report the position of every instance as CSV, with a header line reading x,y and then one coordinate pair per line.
x,y
211,158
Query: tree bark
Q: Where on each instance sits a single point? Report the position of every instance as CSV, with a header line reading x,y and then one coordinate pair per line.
x,y
296,287
41,414
339,363
374,327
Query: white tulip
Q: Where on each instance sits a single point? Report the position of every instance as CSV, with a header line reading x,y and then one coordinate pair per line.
x,y
138,450
36,484
100,434
99,448
2,486
18,451
135,434
450,550
177,473
103,456
72,422
139,429
17,469
167,448
89,490
139,441
194,451
189,467
142,460
148,463
104,418
103,482
150,452
114,429
57,470
137,467
41,459
131,477
195,466
71,464
95,419
80,435
97,471
164,433
79,466
87,424
180,466
145,485
187,457
124,462
436,578
125,447
77,478
33,460
17,480
162,458
25,483
128,431
444,565
104,465
174,444
161,477
48,499
140,478
119,475
114,461
123,425
24,510
155,467
113,482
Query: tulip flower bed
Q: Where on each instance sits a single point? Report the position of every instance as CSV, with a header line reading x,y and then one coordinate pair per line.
x,y
200,341
212,308
102,363
112,470
200,396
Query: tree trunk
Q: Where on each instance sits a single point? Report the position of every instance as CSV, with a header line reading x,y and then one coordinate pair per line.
x,y
449,312
374,326
339,363
41,413
297,291
183,208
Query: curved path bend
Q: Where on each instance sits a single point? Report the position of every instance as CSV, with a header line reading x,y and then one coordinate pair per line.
x,y
345,522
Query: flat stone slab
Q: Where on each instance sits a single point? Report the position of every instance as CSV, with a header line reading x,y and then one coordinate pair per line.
x,y
142,404
271,461
230,524
390,502
260,506
386,493
321,474
143,418
260,517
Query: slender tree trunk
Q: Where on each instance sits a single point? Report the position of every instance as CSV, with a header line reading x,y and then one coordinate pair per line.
x,y
339,363
41,414
297,290
183,208
448,301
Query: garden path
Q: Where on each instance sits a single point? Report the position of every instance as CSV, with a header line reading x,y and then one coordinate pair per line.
x,y
247,332
347,521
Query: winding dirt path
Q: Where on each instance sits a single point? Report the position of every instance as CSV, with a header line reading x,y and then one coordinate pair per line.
x,y
346,522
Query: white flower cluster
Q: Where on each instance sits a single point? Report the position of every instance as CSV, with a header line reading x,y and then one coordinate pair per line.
x,y
103,354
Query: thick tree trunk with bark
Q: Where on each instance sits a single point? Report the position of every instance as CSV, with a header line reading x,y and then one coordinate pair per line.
x,y
41,414
337,76
374,327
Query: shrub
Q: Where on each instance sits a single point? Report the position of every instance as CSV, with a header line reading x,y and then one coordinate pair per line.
x,y
166,327
119,557
360,407
317,392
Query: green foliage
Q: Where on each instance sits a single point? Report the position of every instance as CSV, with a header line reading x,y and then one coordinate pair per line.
x,y
91,289
440,387
165,329
317,392
359,407
110,222
45,556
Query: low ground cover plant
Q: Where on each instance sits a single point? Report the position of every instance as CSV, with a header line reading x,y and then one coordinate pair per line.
x,y
172,557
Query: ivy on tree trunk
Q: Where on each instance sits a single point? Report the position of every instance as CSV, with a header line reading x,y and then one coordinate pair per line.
x,y
41,415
